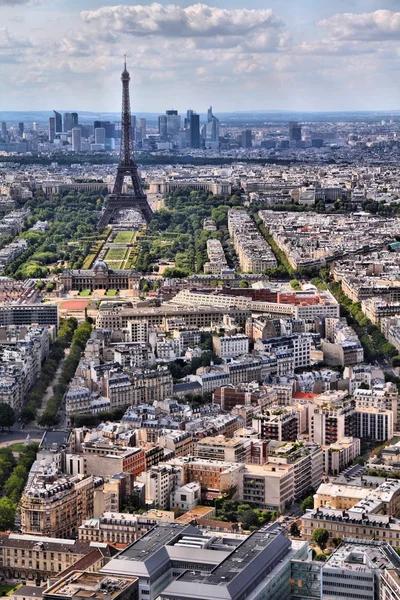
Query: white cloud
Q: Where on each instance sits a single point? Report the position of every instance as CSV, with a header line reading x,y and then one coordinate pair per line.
x,y
380,25
197,20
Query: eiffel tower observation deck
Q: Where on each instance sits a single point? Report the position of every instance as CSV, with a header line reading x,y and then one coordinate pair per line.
x,y
127,167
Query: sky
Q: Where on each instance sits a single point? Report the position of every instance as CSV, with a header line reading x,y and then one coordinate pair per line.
x,y
308,55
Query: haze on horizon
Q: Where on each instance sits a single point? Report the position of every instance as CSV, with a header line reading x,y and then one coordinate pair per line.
x,y
303,55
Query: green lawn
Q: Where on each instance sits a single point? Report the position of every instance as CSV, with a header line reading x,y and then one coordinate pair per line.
x,y
124,237
18,447
116,254
111,293
85,293
115,264
7,590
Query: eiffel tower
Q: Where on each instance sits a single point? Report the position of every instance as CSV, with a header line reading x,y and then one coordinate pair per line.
x,y
127,166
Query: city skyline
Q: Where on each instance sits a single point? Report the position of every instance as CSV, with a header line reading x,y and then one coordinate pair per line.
x,y
338,56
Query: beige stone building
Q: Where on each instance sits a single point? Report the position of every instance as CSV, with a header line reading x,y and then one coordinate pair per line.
x,y
55,505
22,557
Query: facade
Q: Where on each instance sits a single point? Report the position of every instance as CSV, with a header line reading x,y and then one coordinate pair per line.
x,y
277,423
374,424
100,277
55,505
38,558
269,486
231,346
340,455
28,314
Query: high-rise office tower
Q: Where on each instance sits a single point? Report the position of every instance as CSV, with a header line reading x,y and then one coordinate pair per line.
x,y
70,121
193,129
163,127
3,129
142,126
247,136
212,127
58,121
52,129
173,123
76,139
100,135
67,122
294,131
21,128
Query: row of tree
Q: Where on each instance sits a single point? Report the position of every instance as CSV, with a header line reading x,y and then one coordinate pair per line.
x,y
80,337
13,477
49,368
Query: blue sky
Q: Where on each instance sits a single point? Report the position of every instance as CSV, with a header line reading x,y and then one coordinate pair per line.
x,y
235,55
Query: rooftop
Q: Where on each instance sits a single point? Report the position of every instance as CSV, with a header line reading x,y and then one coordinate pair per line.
x,y
90,585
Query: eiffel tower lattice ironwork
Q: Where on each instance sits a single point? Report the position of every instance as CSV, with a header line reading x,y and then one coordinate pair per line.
x,y
127,166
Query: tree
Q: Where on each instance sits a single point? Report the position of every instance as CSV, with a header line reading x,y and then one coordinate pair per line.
x,y
336,541
307,503
8,510
295,284
7,416
321,537
396,361
294,529
244,283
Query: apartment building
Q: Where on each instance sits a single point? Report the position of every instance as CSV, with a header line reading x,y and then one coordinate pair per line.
x,y
300,345
230,346
216,257
35,559
92,585
374,424
269,486
180,443
307,461
110,528
55,505
329,422
255,254
340,455
277,423
235,450
161,481
102,458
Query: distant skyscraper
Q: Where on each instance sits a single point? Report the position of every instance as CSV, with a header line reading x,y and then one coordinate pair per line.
x,y
52,129
70,121
192,129
58,121
173,123
34,126
3,129
100,135
294,131
163,127
212,127
21,128
76,139
247,141
142,126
